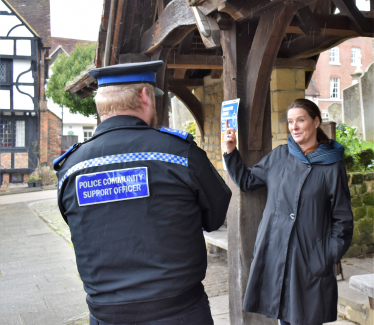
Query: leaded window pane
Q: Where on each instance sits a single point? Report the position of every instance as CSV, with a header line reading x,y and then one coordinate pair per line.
x,y
5,133
3,70
20,133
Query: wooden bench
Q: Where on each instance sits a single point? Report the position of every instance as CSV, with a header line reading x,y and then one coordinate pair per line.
x,y
364,284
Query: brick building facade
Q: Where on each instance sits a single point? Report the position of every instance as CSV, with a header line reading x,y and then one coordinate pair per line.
x,y
334,69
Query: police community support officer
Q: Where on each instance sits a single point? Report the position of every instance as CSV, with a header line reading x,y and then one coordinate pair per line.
x,y
136,199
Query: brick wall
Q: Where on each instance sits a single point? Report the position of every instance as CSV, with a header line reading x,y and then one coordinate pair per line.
x,y
21,160
37,15
6,160
325,71
43,149
54,137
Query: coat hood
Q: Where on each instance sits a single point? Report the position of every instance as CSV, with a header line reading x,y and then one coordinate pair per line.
x,y
326,153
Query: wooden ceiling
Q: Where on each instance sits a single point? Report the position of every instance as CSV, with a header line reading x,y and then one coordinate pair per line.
x,y
187,35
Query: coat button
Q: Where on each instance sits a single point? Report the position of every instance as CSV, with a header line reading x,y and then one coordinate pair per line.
x,y
292,216
309,166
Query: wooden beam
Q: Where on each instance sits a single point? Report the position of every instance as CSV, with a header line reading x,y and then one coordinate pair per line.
x,y
170,28
330,25
125,31
183,48
323,7
186,82
179,73
160,7
242,10
180,61
162,102
305,47
266,43
306,64
359,22
134,57
206,7
192,103
120,17
208,28
216,74
307,22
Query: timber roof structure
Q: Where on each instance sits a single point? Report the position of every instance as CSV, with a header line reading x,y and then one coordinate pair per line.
x,y
245,38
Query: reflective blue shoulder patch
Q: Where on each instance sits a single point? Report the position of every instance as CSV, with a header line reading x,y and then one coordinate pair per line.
x,y
178,133
57,162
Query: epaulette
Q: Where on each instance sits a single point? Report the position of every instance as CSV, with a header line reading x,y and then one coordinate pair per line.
x,y
178,133
57,163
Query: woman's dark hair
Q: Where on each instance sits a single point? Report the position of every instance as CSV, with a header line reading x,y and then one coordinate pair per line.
x,y
313,112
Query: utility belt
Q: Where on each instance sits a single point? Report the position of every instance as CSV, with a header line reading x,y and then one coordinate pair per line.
x,y
147,310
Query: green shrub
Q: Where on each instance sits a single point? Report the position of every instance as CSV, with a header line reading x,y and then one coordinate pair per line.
x,y
31,179
356,157
190,127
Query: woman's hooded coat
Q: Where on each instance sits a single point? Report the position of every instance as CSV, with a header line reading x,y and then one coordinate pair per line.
x,y
306,228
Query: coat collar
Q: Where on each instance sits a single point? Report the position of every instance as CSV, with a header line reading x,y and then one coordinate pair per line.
x,y
118,121
325,154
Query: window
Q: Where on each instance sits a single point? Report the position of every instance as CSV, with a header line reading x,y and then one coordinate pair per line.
x,y
5,133
70,133
334,55
8,134
5,72
87,135
355,56
20,134
334,87
16,178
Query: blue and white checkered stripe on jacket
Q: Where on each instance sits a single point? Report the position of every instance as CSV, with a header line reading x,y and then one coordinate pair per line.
x,y
126,157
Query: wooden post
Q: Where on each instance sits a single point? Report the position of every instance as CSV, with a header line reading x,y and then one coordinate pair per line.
x,y
162,102
245,211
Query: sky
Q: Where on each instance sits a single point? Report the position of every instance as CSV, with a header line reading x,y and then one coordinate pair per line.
x,y
80,19
77,19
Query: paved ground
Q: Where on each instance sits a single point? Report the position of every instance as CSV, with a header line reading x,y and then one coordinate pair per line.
x,y
39,282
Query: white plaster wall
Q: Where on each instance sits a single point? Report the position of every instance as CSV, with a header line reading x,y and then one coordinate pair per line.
x,y
20,66
20,31
6,46
21,101
23,47
3,7
4,99
7,23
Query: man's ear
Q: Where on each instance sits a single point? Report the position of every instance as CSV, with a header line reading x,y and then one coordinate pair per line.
x,y
144,97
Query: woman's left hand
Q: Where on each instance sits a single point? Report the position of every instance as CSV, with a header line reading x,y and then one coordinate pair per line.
x,y
230,138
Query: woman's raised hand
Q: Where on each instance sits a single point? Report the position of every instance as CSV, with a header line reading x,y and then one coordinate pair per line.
x,y
230,138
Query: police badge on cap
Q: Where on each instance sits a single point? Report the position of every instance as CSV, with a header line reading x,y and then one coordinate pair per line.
x,y
128,73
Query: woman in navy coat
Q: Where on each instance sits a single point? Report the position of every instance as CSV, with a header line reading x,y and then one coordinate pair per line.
x,y
307,223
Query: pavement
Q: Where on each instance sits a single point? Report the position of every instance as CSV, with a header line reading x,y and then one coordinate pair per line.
x,y
40,284
39,281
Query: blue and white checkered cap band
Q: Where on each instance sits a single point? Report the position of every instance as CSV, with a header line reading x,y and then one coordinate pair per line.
x,y
126,157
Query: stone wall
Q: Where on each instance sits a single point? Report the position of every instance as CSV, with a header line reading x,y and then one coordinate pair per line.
x,y
211,96
361,187
358,105
286,85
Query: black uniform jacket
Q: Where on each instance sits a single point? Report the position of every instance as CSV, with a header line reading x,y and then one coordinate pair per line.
x,y
140,258
307,225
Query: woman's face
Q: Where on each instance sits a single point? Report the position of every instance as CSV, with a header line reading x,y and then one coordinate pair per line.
x,y
302,127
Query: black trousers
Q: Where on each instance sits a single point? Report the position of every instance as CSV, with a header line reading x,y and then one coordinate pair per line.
x,y
198,314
